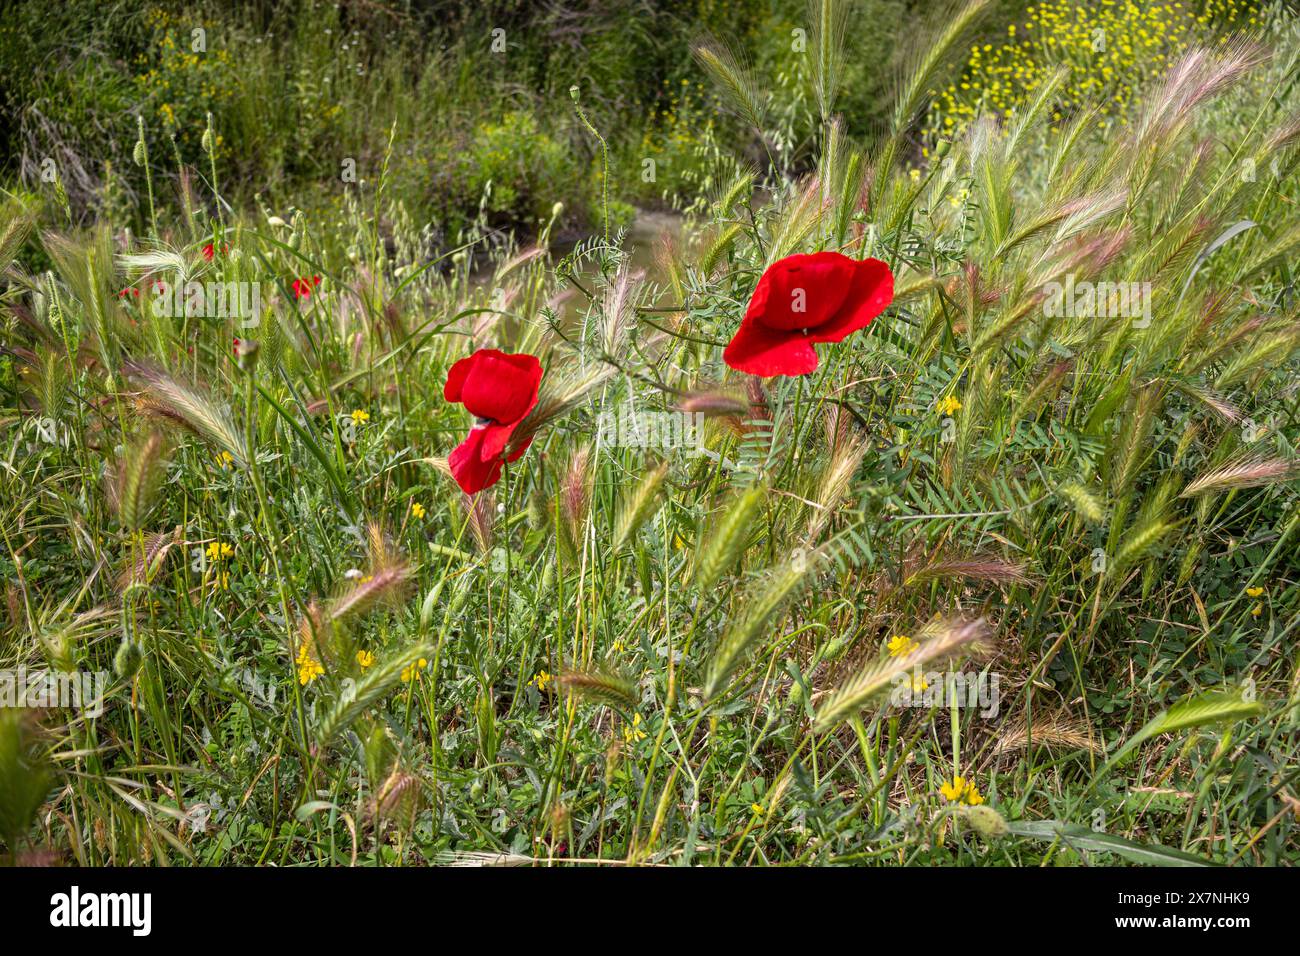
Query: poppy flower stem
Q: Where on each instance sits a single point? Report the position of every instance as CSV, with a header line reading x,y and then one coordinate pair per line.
x,y
506,488
797,428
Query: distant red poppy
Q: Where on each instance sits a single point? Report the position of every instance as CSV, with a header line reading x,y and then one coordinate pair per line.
x,y
499,390
131,291
210,251
803,299
302,287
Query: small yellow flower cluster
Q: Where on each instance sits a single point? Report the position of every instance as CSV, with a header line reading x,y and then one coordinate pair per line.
x,y
365,659
360,416
632,732
308,667
949,405
417,510
412,671
962,790
540,680
219,551
1108,48
1255,592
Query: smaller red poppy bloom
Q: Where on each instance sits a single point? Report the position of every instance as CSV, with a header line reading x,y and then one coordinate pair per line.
x,y
131,291
499,390
302,287
802,299
210,251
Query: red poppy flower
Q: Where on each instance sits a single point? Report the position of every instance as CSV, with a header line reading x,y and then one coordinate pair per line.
x,y
499,390
804,299
302,287
129,291
210,251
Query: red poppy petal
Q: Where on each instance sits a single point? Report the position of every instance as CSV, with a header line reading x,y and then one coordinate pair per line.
x,y
456,376
760,350
802,291
471,472
869,295
501,387
495,439
518,452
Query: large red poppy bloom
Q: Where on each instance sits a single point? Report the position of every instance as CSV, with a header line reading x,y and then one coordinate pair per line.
x,y
499,390
804,299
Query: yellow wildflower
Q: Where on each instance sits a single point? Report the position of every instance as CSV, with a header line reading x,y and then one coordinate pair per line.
x,y
953,791
308,667
417,509
962,790
540,680
1254,592
360,416
632,732
365,659
949,405
219,551
901,644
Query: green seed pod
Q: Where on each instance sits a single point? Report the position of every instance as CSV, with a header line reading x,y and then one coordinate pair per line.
x,y
139,155
986,821
128,659
796,694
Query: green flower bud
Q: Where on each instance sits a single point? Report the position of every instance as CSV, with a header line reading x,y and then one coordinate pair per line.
x,y
128,659
986,821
